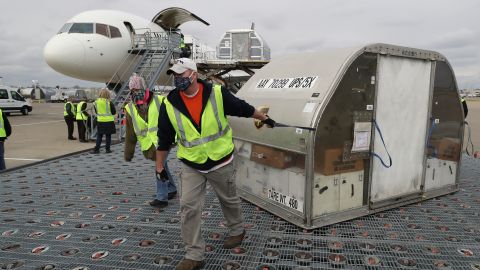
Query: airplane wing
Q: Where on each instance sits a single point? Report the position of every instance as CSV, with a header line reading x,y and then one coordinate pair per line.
x,y
173,17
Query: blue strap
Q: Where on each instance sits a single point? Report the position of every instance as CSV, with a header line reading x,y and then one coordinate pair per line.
x,y
430,131
381,137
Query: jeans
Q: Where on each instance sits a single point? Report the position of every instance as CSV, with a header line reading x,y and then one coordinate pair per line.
x,y
163,188
108,141
2,156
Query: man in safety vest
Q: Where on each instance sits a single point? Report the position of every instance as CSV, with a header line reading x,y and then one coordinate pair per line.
x,y
196,113
185,50
69,112
5,131
141,125
82,118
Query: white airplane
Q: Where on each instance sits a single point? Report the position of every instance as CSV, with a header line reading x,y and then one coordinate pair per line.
x,y
93,44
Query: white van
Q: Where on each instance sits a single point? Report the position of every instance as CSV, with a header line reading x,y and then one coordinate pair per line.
x,y
11,101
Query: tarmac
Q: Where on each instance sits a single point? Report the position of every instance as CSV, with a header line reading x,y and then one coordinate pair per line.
x,y
43,134
87,211
40,135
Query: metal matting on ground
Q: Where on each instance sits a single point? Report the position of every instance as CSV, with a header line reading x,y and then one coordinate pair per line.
x,y
91,212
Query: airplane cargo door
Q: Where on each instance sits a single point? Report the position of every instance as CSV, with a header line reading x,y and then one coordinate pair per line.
x,y
401,113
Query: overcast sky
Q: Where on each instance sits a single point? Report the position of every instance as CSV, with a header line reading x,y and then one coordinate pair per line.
x,y
449,27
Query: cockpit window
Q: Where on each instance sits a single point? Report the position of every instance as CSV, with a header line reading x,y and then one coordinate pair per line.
x,y
84,28
90,28
114,32
101,29
65,28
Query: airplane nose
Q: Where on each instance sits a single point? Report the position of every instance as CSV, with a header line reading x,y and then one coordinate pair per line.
x,y
64,54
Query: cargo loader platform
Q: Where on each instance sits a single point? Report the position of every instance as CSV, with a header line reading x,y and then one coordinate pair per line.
x,y
91,212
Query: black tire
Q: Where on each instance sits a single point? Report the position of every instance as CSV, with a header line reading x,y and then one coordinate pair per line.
x,y
24,110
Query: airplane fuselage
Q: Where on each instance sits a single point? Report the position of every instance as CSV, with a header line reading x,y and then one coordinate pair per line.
x,y
93,45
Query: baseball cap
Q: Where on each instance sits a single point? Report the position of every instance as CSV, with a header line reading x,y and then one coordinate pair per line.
x,y
181,65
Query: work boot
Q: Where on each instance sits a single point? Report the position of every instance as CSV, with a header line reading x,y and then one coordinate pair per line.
x,y
95,151
72,138
234,241
187,264
158,203
108,151
172,195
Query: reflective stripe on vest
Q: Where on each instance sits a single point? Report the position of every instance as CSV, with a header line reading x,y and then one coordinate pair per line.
x,y
146,132
3,132
215,139
183,138
72,109
80,114
104,114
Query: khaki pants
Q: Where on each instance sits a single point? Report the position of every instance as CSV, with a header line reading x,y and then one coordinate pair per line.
x,y
192,199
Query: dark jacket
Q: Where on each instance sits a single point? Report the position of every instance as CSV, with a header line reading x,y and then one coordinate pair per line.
x,y
6,125
131,137
166,133
68,107
106,127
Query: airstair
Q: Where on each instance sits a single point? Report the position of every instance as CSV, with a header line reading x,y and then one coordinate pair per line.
x,y
150,55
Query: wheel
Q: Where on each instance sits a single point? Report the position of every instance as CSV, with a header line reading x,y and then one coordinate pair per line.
x,y
24,110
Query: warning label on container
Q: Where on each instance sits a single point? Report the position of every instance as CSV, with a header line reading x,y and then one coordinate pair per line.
x,y
286,200
283,83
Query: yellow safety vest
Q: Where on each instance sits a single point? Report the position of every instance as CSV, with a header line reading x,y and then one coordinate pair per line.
x,y
214,141
146,132
72,109
462,99
103,110
80,114
3,132
182,43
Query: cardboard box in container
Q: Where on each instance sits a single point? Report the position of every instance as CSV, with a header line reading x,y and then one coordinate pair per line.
x,y
331,163
272,157
449,149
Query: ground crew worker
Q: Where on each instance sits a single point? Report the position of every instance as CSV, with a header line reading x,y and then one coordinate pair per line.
x,y
82,120
185,50
5,131
465,107
196,113
105,120
141,126
69,112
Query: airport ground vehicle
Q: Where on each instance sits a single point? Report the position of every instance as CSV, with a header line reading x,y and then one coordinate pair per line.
x,y
60,96
11,101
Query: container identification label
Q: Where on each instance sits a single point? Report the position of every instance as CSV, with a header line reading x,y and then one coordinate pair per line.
x,y
286,200
284,83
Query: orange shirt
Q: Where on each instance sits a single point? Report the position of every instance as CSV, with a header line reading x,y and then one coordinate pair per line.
x,y
194,104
